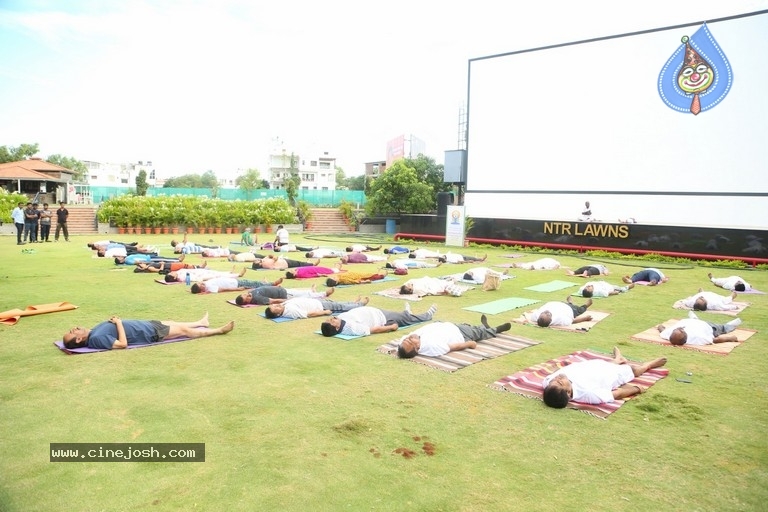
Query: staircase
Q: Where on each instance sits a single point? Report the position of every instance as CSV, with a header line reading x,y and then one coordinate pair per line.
x,y
81,220
327,220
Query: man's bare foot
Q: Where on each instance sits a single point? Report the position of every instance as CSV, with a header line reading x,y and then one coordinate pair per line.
x,y
627,279
313,288
181,258
588,303
365,300
617,357
484,321
709,275
317,262
205,264
569,300
227,327
657,363
630,286
277,282
234,269
485,257
329,291
203,322
242,272
506,272
733,294
653,282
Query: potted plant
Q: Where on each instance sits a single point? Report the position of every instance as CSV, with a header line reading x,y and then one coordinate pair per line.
x,y
304,213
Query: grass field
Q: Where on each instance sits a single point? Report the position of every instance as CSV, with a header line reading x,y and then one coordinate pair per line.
x,y
295,421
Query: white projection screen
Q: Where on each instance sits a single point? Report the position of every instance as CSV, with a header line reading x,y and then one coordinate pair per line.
x,y
551,128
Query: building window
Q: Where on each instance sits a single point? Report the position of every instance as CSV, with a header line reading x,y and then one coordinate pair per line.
x,y
313,163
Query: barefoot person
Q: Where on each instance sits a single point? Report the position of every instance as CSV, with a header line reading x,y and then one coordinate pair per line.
x,y
306,307
595,381
562,314
653,276
118,333
439,338
369,320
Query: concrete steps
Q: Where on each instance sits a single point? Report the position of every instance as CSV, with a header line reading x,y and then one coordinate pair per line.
x,y
327,220
81,220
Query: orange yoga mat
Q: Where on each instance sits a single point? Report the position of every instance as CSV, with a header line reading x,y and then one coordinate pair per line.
x,y
12,316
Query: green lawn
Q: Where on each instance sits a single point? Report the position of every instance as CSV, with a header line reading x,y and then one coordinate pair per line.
x,y
295,421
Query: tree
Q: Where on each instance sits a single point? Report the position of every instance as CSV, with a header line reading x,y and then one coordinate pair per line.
x,y
356,182
141,183
249,182
11,154
431,173
293,182
398,191
70,163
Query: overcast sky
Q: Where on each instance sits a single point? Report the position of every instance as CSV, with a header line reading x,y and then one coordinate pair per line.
x,y
199,85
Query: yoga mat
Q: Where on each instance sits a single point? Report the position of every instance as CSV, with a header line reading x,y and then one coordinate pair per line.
x,y
651,335
492,348
86,350
753,291
499,306
282,319
279,319
551,286
232,301
512,255
459,278
386,278
528,382
394,293
580,327
350,337
733,312
505,265
12,316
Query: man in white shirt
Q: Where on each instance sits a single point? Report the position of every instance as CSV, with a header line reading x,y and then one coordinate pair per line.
x,y
602,289
692,331
430,286
595,381
562,314
439,338
711,301
306,307
731,283
281,236
540,264
369,320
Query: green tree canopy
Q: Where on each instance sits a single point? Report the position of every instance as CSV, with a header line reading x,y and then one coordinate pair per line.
x,y
12,154
431,173
249,182
398,191
70,163
206,180
141,183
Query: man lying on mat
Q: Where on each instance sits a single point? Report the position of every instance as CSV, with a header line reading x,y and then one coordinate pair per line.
x,y
279,263
595,381
602,289
266,295
693,331
711,301
118,333
732,283
369,320
561,314
349,277
540,264
431,286
653,276
588,271
305,307
439,338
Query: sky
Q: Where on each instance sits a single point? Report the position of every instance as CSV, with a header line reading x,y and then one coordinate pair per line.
x,y
209,85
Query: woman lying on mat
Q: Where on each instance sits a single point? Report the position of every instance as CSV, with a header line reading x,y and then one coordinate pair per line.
x,y
595,381
118,333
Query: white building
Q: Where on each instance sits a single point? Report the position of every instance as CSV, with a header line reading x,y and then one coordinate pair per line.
x,y
317,171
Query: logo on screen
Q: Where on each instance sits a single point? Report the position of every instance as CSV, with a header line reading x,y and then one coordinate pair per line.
x,y
697,76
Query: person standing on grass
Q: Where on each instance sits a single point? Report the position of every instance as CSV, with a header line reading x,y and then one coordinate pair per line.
x,y
61,222
117,333
18,219
30,223
595,381
45,223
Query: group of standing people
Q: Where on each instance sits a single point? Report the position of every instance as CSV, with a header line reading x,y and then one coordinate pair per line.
x,y
34,224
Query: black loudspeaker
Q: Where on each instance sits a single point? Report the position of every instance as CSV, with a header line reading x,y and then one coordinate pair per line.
x,y
444,199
